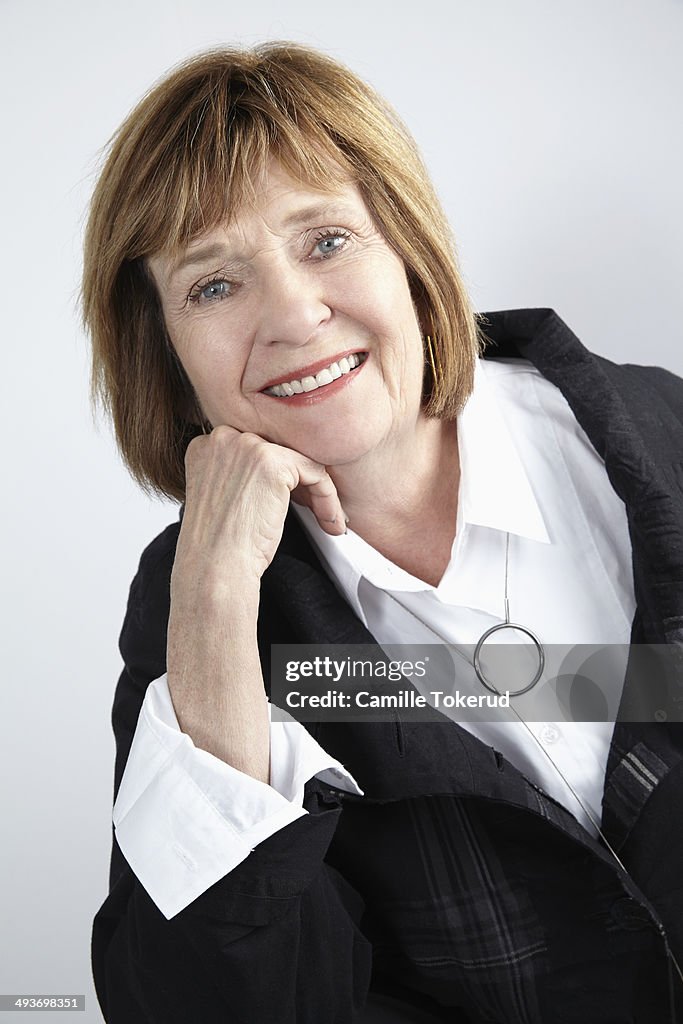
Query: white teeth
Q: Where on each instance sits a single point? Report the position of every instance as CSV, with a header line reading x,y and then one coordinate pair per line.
x,y
331,373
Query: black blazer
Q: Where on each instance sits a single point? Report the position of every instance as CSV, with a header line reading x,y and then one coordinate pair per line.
x,y
455,881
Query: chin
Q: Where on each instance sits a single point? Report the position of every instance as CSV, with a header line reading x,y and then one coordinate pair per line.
x,y
338,449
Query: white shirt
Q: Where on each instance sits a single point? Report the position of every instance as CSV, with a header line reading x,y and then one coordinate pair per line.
x,y
184,818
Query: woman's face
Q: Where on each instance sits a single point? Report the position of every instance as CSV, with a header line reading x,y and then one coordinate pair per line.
x,y
297,283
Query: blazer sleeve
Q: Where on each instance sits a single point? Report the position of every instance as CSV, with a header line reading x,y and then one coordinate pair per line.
x,y
277,939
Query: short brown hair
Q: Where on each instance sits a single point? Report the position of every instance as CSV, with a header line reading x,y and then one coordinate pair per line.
x,y
184,160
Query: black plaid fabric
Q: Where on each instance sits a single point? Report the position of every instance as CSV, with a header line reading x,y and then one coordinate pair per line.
x,y
471,901
458,920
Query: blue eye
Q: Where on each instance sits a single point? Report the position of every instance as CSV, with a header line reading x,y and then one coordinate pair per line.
x,y
211,291
331,242
214,290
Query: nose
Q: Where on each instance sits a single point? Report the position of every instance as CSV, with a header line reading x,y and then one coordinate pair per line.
x,y
292,305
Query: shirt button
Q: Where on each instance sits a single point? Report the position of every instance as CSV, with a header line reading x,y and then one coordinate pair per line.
x,y
549,734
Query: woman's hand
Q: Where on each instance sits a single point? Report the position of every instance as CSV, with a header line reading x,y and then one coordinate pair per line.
x,y
238,488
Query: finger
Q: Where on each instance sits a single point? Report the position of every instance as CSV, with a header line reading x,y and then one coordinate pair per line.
x,y
318,492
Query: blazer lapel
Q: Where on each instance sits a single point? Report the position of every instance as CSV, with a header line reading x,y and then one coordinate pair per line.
x,y
640,440
640,437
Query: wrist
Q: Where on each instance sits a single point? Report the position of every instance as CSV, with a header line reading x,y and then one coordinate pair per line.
x,y
213,589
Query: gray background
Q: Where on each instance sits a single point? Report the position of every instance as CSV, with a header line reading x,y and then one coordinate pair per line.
x,y
553,133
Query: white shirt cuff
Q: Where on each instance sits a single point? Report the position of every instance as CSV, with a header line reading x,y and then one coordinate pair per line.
x,y
184,818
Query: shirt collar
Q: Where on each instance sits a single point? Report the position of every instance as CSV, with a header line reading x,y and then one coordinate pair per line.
x,y
494,492
494,488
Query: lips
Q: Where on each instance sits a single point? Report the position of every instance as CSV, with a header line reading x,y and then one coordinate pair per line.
x,y
317,376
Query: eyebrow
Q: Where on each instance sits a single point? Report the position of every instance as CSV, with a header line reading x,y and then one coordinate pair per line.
x,y
201,255
316,211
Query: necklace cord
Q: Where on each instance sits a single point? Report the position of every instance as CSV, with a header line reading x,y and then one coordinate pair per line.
x,y
507,603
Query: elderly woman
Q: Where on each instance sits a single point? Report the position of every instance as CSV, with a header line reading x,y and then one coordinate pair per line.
x,y
285,345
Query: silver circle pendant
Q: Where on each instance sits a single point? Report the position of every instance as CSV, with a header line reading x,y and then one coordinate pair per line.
x,y
477,663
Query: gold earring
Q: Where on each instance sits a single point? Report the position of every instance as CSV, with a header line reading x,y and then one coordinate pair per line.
x,y
434,362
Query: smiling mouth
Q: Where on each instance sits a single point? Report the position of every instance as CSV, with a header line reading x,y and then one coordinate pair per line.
x,y
319,380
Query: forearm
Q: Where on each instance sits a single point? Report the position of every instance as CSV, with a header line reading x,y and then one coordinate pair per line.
x,y
237,496
215,680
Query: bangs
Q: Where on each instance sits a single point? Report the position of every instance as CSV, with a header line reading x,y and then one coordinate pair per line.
x,y
214,162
